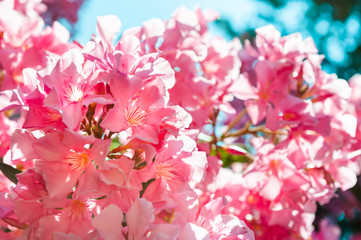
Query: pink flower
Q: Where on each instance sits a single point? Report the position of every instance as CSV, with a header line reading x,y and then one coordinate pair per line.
x,y
204,68
272,80
141,114
71,89
66,159
292,111
74,218
222,226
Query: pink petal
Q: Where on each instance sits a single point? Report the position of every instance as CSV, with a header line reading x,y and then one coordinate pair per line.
x,y
346,177
57,176
165,231
157,191
153,28
29,211
73,139
89,184
107,27
187,204
115,120
186,17
198,162
243,89
22,145
139,216
50,147
151,96
256,110
99,151
73,114
192,231
129,44
269,33
71,65
9,99
117,171
30,80
109,223
271,189
64,236
146,133
210,211
128,85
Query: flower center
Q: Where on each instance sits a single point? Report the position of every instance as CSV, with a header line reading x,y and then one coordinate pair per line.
x,y
73,94
289,116
134,115
77,160
275,165
167,171
51,115
76,210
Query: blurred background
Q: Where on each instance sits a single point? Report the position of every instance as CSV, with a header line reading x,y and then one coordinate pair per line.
x,y
335,27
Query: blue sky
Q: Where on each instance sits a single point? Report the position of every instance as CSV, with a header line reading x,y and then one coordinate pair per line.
x,y
133,13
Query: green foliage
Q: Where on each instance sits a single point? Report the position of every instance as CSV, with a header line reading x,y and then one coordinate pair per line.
x,y
9,172
228,158
115,143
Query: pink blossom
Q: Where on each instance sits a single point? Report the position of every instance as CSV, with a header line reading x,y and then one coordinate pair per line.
x,y
69,157
169,133
109,223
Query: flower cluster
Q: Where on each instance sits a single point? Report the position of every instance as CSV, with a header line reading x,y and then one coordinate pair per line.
x,y
100,151
205,68
304,126
25,45
169,133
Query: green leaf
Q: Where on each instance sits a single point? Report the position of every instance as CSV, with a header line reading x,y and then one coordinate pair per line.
x,y
229,158
115,144
9,172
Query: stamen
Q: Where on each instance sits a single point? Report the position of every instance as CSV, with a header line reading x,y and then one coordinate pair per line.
x,y
73,93
76,210
134,116
167,171
288,116
78,160
50,115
